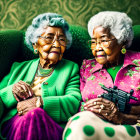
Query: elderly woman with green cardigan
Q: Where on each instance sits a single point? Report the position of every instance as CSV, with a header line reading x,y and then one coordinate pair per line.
x,y
39,96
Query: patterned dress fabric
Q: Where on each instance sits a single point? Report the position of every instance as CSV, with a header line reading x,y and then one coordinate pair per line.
x,y
86,125
61,99
93,75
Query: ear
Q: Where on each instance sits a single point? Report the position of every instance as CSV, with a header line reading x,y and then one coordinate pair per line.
x,y
35,46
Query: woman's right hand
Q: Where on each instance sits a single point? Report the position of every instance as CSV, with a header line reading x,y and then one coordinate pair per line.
x,y
22,91
105,109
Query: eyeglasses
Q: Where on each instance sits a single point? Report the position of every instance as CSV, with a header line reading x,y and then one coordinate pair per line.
x,y
50,40
103,42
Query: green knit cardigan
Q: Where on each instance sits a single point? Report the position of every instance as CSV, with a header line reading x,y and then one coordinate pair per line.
x,y
61,96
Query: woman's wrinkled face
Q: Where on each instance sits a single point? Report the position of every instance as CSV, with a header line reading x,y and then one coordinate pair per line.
x,y
51,45
106,50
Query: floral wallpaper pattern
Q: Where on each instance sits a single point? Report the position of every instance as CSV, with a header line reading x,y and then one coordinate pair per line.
x,y
18,14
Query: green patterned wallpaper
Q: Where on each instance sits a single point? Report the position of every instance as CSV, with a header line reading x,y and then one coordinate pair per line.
x,y
18,14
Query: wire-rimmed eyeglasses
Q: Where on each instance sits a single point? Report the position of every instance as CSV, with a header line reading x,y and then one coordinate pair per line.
x,y
103,42
50,40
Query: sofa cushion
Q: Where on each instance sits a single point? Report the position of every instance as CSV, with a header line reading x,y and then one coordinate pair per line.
x,y
10,42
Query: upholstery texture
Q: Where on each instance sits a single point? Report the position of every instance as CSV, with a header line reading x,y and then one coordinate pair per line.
x,y
136,41
10,42
13,47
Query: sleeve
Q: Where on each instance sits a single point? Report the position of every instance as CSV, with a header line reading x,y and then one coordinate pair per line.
x,y
61,108
82,78
6,90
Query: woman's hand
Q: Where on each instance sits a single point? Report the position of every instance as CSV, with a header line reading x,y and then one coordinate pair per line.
x,y
27,105
105,109
22,91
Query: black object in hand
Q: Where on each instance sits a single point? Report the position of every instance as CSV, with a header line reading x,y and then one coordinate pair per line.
x,y
119,97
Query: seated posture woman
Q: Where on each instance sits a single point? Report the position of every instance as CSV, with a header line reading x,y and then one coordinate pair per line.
x,y
38,96
110,115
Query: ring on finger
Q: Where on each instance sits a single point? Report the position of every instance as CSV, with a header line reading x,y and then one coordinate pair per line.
x,y
102,106
20,112
112,107
106,114
95,103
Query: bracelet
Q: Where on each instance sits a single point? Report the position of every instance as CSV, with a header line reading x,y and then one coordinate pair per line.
x,y
38,102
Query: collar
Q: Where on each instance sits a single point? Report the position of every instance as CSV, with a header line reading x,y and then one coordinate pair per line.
x,y
132,58
96,66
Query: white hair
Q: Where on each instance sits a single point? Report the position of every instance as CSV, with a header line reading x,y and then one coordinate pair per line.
x,y
42,21
119,23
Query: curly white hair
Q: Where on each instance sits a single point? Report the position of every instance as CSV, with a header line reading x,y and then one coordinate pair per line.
x,y
119,23
42,21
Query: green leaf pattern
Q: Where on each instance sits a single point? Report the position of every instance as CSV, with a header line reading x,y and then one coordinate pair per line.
x,y
130,72
136,62
91,78
93,64
101,84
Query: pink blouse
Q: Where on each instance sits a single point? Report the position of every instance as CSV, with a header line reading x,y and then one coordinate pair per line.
x,y
93,75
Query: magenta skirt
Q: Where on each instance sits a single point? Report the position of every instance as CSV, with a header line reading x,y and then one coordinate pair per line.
x,y
34,125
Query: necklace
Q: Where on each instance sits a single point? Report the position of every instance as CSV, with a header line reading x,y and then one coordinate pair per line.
x,y
44,72
113,68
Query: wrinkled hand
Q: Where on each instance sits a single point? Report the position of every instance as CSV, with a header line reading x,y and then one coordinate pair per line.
x,y
22,91
24,106
105,109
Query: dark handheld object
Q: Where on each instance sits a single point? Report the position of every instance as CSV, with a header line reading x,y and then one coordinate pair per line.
x,y
119,97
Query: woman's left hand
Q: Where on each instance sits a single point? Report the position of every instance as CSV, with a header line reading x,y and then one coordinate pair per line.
x,y
105,108
26,105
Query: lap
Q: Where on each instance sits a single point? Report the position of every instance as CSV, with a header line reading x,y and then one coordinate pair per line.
x,y
87,126
34,125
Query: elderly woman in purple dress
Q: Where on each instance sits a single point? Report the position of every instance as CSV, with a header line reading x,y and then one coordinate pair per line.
x,y
108,116
39,96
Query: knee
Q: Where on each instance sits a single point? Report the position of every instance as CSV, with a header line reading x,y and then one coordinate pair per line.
x,y
84,114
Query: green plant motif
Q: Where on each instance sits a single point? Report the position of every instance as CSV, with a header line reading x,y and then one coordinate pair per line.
x,y
130,73
92,64
87,66
101,84
136,62
137,68
91,70
83,63
84,77
91,78
138,88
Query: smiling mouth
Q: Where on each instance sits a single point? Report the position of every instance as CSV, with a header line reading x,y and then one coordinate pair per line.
x,y
55,52
100,56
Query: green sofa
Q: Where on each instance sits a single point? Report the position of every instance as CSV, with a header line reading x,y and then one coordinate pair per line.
x,y
13,47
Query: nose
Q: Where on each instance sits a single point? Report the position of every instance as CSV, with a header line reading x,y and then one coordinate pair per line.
x,y
98,47
56,43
